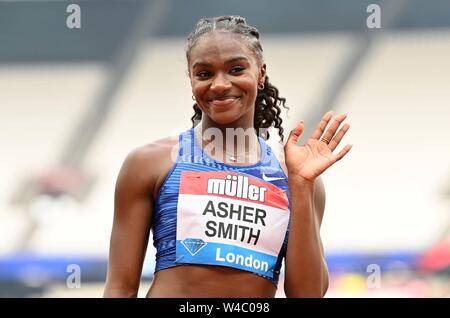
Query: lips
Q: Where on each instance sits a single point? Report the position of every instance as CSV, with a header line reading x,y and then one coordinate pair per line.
x,y
223,101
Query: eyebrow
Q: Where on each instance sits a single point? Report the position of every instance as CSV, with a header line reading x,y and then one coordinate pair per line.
x,y
229,61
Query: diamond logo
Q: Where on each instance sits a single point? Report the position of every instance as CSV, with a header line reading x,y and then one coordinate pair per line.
x,y
193,245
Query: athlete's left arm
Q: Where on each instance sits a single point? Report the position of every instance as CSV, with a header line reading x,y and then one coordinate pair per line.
x,y
306,273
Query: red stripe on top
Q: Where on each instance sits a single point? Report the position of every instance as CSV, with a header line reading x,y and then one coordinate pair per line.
x,y
196,183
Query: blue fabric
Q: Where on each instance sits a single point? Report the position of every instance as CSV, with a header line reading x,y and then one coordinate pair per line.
x,y
192,158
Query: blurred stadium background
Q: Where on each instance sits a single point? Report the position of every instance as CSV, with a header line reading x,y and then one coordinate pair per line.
x,y
74,102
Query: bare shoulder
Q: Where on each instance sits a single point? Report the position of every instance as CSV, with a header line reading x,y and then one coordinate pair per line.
x,y
156,151
145,164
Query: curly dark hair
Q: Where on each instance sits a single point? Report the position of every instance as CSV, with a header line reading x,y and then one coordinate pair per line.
x,y
268,102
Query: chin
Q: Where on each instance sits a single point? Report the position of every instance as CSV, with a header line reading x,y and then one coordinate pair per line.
x,y
224,119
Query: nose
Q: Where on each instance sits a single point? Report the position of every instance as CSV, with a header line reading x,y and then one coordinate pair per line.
x,y
220,83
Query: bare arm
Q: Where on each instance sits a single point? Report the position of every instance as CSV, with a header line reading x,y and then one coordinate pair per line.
x,y
306,270
133,206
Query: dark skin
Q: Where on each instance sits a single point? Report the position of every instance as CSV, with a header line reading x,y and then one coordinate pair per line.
x,y
224,75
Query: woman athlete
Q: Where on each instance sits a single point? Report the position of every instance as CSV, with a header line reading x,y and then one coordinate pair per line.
x,y
225,214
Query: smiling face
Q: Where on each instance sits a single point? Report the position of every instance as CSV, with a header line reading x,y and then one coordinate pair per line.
x,y
224,75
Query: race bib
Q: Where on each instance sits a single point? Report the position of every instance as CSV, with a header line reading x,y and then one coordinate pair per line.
x,y
230,219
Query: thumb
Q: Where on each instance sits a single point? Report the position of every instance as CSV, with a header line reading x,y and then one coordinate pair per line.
x,y
296,133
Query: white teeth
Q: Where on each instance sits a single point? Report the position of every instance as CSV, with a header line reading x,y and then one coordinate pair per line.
x,y
231,97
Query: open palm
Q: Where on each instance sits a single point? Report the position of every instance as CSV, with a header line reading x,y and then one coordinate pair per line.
x,y
310,160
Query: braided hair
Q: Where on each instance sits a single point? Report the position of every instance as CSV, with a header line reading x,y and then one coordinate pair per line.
x,y
267,104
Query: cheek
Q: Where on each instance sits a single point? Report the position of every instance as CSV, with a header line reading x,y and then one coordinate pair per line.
x,y
251,88
250,82
199,88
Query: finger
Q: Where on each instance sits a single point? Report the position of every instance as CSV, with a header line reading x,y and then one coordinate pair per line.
x,y
296,133
321,127
338,137
334,126
343,152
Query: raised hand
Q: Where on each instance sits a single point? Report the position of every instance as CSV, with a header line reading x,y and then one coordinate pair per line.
x,y
306,162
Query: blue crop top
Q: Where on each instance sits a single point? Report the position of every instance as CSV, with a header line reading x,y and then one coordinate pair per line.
x,y
191,162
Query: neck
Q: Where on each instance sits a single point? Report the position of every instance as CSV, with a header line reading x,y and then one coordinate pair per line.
x,y
229,143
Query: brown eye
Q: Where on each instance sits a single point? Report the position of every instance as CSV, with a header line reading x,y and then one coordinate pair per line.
x,y
237,69
203,74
